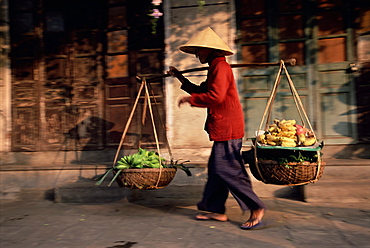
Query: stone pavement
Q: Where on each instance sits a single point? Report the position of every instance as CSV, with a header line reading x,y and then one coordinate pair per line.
x,y
336,213
169,223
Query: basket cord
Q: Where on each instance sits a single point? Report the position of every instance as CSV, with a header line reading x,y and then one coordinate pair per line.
x,y
278,80
271,99
254,145
128,122
318,166
154,130
160,120
143,118
297,100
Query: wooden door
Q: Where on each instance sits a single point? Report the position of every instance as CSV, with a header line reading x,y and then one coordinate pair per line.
x,y
134,49
74,69
273,30
57,74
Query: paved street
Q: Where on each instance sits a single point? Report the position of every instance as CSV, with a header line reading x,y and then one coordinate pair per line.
x,y
161,222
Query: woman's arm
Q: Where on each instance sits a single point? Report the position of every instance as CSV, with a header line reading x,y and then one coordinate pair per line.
x,y
186,85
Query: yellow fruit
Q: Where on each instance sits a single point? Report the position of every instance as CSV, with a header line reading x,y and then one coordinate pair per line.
x,y
273,128
261,138
286,139
288,134
309,141
270,137
271,143
288,144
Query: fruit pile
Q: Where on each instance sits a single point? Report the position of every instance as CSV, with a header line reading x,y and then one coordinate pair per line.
x,y
287,133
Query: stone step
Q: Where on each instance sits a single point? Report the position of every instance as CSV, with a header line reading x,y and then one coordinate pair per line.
x,y
343,183
85,190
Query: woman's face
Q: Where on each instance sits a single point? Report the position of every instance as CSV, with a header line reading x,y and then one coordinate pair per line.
x,y
202,54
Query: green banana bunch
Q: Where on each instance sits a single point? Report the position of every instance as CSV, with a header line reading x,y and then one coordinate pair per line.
x,y
142,159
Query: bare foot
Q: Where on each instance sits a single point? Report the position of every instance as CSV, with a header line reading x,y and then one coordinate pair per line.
x,y
254,219
212,216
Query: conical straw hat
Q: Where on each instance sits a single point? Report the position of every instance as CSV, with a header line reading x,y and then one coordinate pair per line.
x,y
206,38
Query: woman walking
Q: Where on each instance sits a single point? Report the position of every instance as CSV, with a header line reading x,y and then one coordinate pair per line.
x,y
225,127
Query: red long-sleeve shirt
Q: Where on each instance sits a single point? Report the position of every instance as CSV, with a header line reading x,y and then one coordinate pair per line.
x,y
225,120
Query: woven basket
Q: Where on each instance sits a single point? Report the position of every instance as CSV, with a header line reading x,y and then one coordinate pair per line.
x,y
291,174
273,172
284,173
149,178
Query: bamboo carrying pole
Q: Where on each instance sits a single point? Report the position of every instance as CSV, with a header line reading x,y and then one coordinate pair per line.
x,y
291,61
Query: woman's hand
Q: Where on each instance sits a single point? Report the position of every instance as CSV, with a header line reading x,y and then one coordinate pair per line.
x,y
176,73
184,99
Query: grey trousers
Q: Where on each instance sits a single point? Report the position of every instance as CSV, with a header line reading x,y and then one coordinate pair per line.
x,y
226,173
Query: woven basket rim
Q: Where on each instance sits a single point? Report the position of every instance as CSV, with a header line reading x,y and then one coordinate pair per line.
x,y
148,169
291,163
266,170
